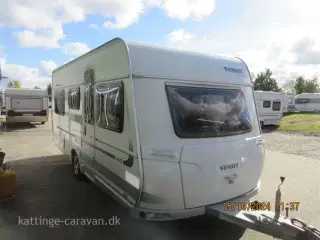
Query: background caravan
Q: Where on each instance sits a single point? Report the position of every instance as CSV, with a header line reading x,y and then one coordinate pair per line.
x,y
269,106
165,132
26,105
307,102
288,102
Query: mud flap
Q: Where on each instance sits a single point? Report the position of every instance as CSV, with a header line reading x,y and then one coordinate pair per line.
x,y
265,222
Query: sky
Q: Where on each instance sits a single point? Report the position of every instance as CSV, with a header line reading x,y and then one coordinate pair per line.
x,y
38,36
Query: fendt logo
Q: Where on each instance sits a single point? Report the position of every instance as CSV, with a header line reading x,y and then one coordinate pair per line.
x,y
229,166
233,70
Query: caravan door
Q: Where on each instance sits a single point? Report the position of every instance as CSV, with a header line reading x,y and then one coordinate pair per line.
x,y
117,165
87,126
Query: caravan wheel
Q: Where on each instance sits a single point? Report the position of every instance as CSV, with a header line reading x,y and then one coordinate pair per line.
x,y
76,167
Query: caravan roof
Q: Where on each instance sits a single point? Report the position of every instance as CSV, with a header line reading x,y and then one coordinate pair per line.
x,y
308,95
151,61
268,94
26,92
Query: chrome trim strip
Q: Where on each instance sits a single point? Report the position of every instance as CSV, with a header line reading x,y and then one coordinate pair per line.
x,y
135,124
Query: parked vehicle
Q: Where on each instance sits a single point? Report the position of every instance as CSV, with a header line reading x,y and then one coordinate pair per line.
x,y
269,106
166,132
307,102
26,105
288,102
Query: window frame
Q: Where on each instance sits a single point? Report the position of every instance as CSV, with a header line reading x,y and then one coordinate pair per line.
x,y
120,85
74,103
60,93
273,109
266,101
187,136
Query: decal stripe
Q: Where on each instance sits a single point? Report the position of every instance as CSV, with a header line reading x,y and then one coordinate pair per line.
x,y
127,162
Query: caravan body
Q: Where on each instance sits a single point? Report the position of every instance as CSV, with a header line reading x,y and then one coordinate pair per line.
x,y
269,106
288,102
26,105
165,132
307,102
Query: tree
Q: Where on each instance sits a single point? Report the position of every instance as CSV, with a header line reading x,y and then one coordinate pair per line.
x,y
265,82
253,76
311,86
16,84
10,84
49,89
303,85
288,86
299,85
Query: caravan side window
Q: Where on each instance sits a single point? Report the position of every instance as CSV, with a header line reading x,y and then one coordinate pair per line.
x,y
266,104
110,106
276,106
302,100
74,98
59,107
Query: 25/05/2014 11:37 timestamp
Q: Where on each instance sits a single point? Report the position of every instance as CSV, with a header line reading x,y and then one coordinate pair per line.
x,y
259,206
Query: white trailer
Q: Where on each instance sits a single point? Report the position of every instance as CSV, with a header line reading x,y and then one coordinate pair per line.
x,y
169,134
26,105
288,102
307,102
269,107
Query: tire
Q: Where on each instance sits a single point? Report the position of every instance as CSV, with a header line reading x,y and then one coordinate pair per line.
x,y
76,168
43,122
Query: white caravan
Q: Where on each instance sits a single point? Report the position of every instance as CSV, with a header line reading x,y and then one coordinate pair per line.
x,y
26,105
288,102
167,133
307,102
269,106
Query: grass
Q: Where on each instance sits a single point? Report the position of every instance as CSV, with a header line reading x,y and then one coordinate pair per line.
x,y
302,122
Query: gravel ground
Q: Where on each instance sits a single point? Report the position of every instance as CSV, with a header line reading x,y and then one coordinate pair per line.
x,y
293,143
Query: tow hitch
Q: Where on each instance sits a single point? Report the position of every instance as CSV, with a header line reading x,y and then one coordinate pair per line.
x,y
267,222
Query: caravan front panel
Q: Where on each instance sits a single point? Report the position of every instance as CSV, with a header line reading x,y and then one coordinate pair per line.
x,y
211,132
